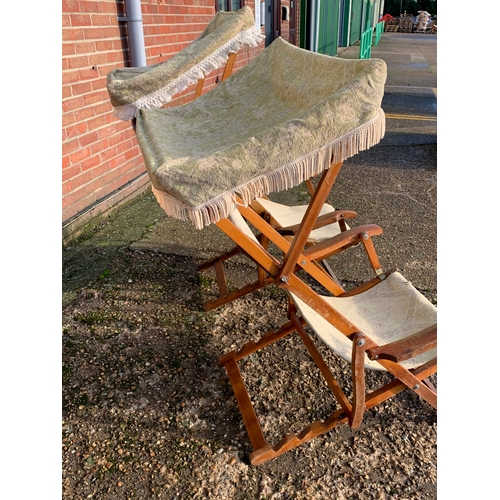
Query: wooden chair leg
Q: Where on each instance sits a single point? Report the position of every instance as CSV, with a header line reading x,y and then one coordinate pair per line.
x,y
246,408
229,66
199,88
263,278
372,254
358,380
262,450
348,413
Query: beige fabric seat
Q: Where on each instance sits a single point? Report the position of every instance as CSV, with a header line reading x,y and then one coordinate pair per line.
x,y
285,216
388,312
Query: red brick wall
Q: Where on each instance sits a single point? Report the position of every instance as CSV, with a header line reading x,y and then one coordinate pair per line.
x,y
101,161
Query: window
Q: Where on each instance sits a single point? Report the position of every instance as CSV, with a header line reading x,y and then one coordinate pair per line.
x,y
229,5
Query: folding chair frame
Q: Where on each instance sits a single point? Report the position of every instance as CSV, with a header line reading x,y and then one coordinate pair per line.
x,y
316,253
284,275
228,69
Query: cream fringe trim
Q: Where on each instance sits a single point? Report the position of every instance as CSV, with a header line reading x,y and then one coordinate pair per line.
x,y
215,60
285,177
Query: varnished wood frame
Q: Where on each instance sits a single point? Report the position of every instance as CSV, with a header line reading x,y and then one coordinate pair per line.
x,y
349,412
284,275
313,258
228,69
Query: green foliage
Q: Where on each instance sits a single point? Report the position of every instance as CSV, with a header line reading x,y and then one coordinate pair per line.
x,y
105,274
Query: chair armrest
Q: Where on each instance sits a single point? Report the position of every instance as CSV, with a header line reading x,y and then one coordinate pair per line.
x,y
406,348
321,221
341,241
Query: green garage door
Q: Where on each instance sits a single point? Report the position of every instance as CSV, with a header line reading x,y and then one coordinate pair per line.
x,y
319,24
355,21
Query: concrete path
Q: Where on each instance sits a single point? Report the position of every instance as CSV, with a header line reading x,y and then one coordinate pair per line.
x,y
410,100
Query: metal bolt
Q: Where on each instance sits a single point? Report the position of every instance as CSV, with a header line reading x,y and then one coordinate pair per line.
x,y
416,387
365,236
303,263
284,279
361,342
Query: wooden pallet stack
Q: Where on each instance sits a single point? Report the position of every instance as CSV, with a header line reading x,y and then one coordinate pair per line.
x,y
423,22
406,23
391,25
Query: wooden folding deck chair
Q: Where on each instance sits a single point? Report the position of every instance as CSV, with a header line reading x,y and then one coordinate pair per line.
x,y
289,115
132,89
286,220
383,324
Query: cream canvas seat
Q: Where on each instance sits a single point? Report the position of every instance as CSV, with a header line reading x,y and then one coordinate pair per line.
x,y
284,216
410,312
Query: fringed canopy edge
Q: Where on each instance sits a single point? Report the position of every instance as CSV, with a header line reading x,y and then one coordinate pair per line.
x,y
215,60
285,177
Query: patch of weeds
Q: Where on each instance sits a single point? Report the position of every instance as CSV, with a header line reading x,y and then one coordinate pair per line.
x,y
91,318
96,318
105,274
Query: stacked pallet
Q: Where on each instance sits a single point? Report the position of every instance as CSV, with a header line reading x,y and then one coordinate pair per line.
x,y
406,23
391,25
423,19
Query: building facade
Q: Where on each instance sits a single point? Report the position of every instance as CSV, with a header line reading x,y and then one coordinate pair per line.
x,y
102,165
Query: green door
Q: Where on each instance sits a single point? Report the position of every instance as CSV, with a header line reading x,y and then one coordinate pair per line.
x,y
369,15
319,24
355,22
328,27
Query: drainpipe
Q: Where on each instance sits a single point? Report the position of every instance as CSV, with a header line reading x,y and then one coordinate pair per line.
x,y
135,32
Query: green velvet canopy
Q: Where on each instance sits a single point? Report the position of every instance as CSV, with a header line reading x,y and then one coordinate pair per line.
x,y
131,89
278,121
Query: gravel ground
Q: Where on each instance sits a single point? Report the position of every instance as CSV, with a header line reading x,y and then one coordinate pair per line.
x,y
148,413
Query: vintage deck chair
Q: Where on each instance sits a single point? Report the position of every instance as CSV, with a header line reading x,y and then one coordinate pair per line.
x,y
289,115
286,219
131,89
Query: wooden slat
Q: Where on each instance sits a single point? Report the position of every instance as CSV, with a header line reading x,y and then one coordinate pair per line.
x,y
312,213
314,270
370,252
410,380
199,88
341,241
396,386
265,340
252,249
229,66
291,441
241,292
407,348
246,408
358,380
